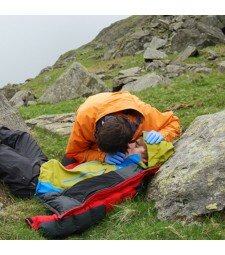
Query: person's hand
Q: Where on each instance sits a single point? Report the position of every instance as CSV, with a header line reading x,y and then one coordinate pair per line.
x,y
153,137
115,159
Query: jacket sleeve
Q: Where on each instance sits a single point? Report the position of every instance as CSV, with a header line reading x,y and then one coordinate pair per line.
x,y
81,147
166,123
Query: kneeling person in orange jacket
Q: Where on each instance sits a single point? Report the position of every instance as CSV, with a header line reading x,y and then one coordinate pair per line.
x,y
107,122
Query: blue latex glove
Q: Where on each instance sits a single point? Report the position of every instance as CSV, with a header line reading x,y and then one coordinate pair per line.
x,y
153,137
115,159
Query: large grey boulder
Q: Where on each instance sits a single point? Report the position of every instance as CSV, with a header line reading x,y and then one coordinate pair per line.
x,y
155,64
21,98
212,33
151,54
188,37
156,43
57,123
197,34
9,117
190,51
192,181
131,71
174,70
146,81
75,82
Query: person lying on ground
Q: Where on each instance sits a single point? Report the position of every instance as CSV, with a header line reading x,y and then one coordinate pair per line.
x,y
107,122
54,177
27,171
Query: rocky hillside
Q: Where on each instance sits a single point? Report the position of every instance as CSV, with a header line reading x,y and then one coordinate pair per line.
x,y
128,36
155,46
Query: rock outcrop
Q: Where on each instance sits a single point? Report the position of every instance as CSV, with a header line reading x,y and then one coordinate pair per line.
x,y
22,98
9,90
172,32
9,117
146,81
57,123
192,181
75,82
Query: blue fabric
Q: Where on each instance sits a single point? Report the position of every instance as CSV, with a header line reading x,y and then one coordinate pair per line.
x,y
130,160
45,187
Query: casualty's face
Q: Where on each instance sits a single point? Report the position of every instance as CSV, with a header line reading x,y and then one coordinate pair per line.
x,y
138,147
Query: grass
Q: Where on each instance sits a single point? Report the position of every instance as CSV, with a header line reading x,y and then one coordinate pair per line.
x,y
42,109
189,96
40,83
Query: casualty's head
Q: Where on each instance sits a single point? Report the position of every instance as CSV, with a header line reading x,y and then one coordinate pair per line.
x,y
114,135
138,147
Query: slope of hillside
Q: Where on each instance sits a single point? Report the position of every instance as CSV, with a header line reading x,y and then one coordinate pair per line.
x,y
129,37
191,94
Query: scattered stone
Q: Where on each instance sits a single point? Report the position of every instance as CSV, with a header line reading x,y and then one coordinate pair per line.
x,y
75,82
151,54
101,76
154,24
137,35
139,52
191,183
21,98
192,67
156,43
175,69
155,64
176,26
211,55
145,81
65,59
131,71
9,117
28,80
46,69
57,123
165,23
183,38
29,103
108,54
214,33
190,51
221,66
204,70
122,80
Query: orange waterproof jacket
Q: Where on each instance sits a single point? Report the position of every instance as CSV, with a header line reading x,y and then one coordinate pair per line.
x,y
82,144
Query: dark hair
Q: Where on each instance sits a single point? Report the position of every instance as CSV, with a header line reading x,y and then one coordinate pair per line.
x,y
114,135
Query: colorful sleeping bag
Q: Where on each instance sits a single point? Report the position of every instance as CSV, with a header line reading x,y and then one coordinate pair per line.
x,y
85,203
